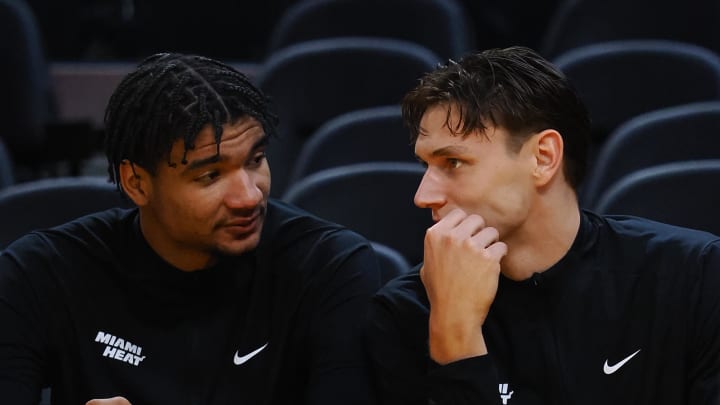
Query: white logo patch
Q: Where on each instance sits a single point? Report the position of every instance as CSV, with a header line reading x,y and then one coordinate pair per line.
x,y
504,394
611,369
238,360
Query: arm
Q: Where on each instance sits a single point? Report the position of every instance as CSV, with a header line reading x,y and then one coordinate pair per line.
x,y
403,372
434,350
22,348
338,369
460,274
704,367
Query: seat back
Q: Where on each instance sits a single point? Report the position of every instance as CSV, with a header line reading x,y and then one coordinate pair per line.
x,y
7,176
581,22
679,193
688,132
25,93
372,134
374,199
40,204
622,79
439,25
392,263
312,82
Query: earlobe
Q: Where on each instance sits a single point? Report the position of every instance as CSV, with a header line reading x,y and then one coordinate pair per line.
x,y
135,182
548,155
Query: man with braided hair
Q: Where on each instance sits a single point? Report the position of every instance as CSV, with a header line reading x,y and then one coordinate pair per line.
x,y
206,293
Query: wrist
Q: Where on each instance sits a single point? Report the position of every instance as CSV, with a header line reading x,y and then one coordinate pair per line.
x,y
453,340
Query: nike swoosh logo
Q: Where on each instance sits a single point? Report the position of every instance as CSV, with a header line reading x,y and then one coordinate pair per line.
x,y
238,360
611,369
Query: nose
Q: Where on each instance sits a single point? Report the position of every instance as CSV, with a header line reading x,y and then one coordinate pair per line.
x,y
244,191
430,193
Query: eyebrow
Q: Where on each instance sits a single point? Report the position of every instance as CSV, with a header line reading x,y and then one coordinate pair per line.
x,y
196,164
450,150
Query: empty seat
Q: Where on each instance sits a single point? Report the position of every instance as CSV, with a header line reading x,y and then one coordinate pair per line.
x,y
46,203
312,82
7,177
373,199
582,22
25,93
622,79
439,25
372,134
688,132
33,135
679,193
392,263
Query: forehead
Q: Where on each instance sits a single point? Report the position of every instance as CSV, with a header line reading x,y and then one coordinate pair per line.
x,y
243,133
440,126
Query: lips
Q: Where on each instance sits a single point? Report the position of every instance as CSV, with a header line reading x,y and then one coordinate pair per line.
x,y
243,225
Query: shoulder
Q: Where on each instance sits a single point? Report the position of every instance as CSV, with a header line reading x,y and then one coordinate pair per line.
x,y
404,296
296,242
290,229
89,235
654,237
397,320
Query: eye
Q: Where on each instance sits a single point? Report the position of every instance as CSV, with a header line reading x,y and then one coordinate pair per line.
x,y
454,163
258,159
208,177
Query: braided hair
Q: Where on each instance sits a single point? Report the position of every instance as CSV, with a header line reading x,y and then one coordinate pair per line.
x,y
173,96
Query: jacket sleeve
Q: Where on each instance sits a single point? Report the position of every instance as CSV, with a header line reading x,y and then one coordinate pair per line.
x,y
22,348
704,368
338,366
404,374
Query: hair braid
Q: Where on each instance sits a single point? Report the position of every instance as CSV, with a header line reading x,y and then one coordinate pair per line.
x,y
171,97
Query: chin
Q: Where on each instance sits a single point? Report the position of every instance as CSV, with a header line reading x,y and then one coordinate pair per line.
x,y
238,247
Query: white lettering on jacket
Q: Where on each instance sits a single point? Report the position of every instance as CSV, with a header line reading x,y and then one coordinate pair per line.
x,y
120,349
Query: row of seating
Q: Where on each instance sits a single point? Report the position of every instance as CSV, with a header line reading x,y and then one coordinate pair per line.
x,y
77,29
313,81
316,81
375,199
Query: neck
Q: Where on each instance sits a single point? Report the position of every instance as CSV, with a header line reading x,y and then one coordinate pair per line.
x,y
183,258
545,237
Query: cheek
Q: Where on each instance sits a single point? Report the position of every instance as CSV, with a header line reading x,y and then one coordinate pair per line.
x,y
188,208
512,192
263,180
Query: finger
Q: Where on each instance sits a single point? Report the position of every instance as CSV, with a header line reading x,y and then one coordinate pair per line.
x,y
485,237
109,401
469,226
451,220
497,250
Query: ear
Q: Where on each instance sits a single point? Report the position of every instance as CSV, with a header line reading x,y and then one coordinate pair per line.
x,y
135,181
548,156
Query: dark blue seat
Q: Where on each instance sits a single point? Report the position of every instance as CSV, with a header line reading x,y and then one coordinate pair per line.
x,y
439,25
35,137
372,134
688,132
314,81
679,193
7,176
25,93
582,22
622,79
39,204
392,263
374,199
